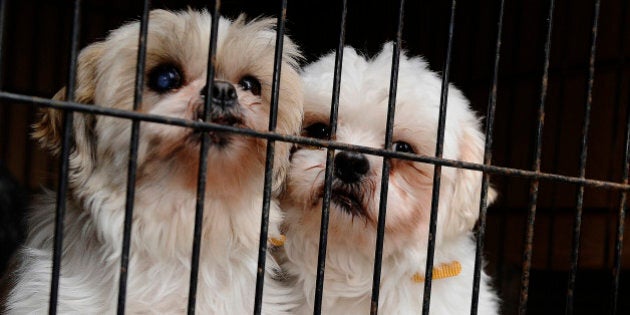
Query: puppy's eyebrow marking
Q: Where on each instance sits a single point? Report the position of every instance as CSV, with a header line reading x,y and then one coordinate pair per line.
x,y
310,118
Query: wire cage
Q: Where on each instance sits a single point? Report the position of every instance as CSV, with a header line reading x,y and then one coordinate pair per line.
x,y
550,77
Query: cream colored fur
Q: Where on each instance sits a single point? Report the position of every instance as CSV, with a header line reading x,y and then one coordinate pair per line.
x,y
161,243
352,238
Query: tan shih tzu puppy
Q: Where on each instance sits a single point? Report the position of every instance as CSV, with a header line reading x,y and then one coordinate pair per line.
x,y
356,190
168,158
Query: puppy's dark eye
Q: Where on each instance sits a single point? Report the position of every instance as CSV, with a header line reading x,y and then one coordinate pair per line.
x,y
318,130
164,78
249,83
401,146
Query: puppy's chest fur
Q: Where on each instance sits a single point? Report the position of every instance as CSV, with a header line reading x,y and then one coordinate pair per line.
x,y
157,282
348,282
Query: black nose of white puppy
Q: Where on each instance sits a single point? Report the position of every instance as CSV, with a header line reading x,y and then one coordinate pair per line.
x,y
223,94
351,166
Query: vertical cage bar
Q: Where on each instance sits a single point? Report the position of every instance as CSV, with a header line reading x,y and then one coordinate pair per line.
x,y
273,117
577,223
529,234
4,108
516,35
64,161
437,171
621,214
616,270
619,90
330,153
3,15
382,210
203,161
560,129
133,159
487,160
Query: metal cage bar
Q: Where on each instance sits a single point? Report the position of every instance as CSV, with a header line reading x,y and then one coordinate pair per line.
x,y
617,125
64,161
4,108
133,159
330,153
616,270
3,20
577,223
203,160
516,32
487,160
273,117
382,207
531,217
202,126
560,128
437,171
621,212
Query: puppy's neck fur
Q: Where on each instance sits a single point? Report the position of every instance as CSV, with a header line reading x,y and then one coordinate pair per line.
x,y
155,271
348,278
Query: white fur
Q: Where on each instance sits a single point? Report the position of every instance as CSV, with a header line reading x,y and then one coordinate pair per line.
x,y
351,239
163,218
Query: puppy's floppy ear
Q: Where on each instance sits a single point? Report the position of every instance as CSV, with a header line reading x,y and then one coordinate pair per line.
x,y
464,206
48,127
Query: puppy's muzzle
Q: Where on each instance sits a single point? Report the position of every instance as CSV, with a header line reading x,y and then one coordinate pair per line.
x,y
350,167
224,107
223,94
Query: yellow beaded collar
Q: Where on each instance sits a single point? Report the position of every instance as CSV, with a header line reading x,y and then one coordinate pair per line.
x,y
442,271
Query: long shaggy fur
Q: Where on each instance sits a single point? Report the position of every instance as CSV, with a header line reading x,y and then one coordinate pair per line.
x,y
163,218
353,224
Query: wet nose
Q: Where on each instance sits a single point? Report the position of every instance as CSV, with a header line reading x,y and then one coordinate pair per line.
x,y
223,94
351,166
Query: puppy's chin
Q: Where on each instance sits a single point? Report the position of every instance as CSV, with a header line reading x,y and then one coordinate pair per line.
x,y
351,200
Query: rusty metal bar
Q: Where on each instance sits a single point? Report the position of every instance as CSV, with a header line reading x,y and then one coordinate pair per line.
x,y
487,160
203,161
330,153
616,124
577,224
389,131
203,126
437,171
64,163
531,217
133,160
273,117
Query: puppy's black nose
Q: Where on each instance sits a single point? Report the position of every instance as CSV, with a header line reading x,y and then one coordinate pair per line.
x,y
351,166
223,94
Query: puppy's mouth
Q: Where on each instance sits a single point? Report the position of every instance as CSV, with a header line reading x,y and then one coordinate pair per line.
x,y
348,199
231,118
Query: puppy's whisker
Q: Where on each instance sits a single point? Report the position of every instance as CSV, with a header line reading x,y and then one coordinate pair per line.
x,y
315,192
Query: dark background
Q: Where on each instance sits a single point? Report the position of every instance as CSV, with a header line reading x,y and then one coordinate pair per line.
x,y
36,47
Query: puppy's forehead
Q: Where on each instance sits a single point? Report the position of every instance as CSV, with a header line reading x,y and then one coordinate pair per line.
x,y
247,49
365,96
241,48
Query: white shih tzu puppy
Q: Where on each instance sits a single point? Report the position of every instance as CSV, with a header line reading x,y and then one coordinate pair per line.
x,y
163,217
356,190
